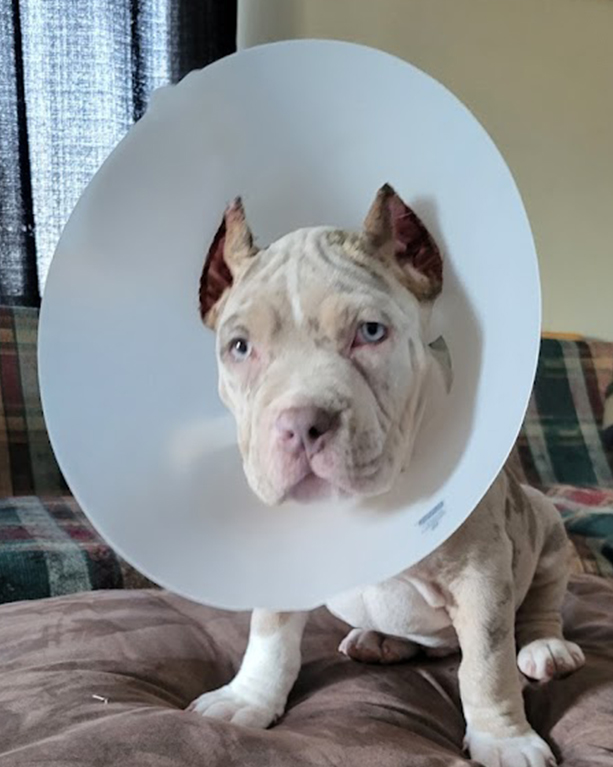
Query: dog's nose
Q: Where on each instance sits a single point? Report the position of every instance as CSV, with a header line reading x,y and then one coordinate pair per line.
x,y
305,428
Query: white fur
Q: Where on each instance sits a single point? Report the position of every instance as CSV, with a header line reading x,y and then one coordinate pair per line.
x,y
527,750
547,658
258,693
293,290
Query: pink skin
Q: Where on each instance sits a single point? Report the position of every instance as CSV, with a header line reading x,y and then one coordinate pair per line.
x,y
301,434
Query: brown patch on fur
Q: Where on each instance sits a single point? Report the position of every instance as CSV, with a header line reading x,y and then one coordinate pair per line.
x,y
239,240
507,594
532,526
498,630
348,241
313,325
497,633
360,252
334,319
277,323
522,505
517,495
555,541
496,533
412,353
318,337
514,557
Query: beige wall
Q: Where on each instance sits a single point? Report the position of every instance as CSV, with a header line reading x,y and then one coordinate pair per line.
x,y
539,76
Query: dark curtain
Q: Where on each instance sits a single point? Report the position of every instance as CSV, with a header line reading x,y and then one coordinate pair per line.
x,y
74,75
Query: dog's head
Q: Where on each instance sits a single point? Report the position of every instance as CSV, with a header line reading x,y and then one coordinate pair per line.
x,y
320,348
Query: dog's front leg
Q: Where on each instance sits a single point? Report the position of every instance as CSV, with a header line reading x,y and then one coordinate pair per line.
x,y
258,693
483,613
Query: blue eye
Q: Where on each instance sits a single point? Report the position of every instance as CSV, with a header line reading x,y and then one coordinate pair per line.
x,y
370,333
240,349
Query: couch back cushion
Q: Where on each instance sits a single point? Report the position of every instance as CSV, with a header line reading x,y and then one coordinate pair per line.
x,y
27,463
607,421
563,439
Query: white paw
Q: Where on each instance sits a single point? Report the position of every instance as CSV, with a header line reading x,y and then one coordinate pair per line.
x,y
549,658
374,647
227,705
521,751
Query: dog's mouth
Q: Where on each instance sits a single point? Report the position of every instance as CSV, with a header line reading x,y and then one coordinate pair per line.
x,y
308,485
310,488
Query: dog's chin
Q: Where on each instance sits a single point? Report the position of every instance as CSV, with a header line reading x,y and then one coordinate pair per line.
x,y
313,488
311,483
310,489
307,488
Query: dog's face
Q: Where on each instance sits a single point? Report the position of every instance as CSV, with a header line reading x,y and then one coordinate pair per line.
x,y
320,350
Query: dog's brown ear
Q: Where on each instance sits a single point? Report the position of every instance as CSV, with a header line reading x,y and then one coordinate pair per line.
x,y
397,234
232,246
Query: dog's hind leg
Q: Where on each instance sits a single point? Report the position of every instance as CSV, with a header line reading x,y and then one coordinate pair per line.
x,y
375,647
543,651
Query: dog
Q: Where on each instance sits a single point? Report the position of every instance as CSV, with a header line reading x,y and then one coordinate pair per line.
x,y
324,364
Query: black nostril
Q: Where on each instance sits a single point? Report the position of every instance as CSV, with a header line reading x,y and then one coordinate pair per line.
x,y
324,422
305,428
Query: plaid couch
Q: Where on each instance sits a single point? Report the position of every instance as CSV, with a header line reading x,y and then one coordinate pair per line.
x,y
48,547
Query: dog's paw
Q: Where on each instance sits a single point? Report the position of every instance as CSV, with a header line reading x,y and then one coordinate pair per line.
x,y
374,647
545,659
520,751
227,705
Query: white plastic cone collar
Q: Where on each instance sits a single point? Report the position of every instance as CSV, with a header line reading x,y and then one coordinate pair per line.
x,y
306,132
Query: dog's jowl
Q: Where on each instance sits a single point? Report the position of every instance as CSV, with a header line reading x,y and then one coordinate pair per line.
x,y
323,362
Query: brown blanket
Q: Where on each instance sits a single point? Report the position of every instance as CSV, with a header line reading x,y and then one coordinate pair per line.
x,y
149,653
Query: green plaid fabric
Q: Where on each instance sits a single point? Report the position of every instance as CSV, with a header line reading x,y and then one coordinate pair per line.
x,y
607,421
49,548
563,437
588,517
27,463
47,545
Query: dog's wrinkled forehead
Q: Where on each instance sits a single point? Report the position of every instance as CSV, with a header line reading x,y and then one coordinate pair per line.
x,y
317,260
394,251
309,279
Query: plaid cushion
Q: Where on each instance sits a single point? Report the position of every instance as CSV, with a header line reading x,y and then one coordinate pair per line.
x,y
562,439
607,420
27,463
588,516
49,548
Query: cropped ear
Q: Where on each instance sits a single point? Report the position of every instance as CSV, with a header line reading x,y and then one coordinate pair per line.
x,y
398,236
231,248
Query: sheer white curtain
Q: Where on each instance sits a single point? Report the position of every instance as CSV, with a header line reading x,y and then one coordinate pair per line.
x,y
74,75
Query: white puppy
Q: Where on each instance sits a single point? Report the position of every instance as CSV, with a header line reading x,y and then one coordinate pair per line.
x,y
324,364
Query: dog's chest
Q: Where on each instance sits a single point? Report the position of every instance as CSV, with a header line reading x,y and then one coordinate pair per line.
x,y
403,606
